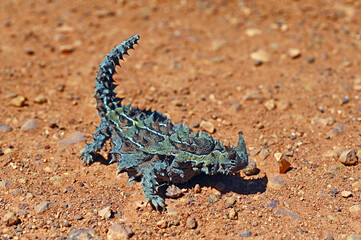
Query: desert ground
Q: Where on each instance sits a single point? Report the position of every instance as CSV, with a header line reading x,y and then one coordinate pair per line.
x,y
287,74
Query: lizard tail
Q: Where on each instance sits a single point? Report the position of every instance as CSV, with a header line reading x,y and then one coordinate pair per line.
x,y
104,85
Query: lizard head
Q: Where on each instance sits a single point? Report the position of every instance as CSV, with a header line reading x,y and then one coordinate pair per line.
x,y
236,158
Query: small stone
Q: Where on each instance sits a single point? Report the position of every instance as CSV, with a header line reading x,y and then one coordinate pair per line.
x,y
335,169
294,53
42,207
66,49
270,104
18,101
230,202
254,151
353,237
79,217
272,204
260,55
348,157
251,32
105,213
286,213
191,223
30,125
162,224
218,44
283,105
40,99
29,196
195,125
207,126
233,215
337,130
73,138
310,60
251,168
197,188
119,232
11,219
283,164
173,192
212,198
264,154
355,211
245,234
5,128
277,182
346,194
83,234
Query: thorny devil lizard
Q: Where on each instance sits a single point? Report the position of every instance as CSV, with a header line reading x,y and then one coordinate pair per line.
x,y
147,145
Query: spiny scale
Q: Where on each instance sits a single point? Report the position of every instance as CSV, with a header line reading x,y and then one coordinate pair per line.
x,y
147,145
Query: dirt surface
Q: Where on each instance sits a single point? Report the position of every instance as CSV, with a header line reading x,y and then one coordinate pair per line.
x,y
285,73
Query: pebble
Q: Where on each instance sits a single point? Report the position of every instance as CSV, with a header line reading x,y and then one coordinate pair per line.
x,y
218,44
30,125
272,204
230,202
270,104
73,138
251,168
355,211
233,215
277,182
40,99
245,234
162,224
18,101
84,234
346,194
310,60
212,198
260,55
353,237
283,105
5,128
337,130
197,188
79,217
66,49
207,126
173,192
283,164
119,231
251,32
294,53
191,223
10,219
286,213
105,213
195,125
42,207
264,154
348,157
335,169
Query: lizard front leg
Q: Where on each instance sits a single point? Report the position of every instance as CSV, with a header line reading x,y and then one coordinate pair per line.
x,y
101,135
149,183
